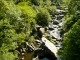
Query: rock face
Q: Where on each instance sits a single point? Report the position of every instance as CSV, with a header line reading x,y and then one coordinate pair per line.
x,y
50,47
46,51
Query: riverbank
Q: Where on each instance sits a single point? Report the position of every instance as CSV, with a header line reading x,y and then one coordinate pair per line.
x,y
54,32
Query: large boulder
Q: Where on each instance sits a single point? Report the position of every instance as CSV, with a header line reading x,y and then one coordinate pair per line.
x,y
39,52
50,49
55,22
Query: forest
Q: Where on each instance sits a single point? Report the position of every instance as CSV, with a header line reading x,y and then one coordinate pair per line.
x,y
19,18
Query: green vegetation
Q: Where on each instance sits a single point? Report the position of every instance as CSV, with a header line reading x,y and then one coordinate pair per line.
x,y
49,38
16,25
18,19
44,9
8,35
43,17
71,39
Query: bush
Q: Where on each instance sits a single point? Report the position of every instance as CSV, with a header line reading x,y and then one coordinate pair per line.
x,y
51,9
43,17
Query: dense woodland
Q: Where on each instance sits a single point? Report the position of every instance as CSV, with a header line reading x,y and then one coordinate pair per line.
x,y
18,20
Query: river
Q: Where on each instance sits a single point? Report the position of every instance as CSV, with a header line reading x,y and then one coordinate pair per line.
x,y
54,30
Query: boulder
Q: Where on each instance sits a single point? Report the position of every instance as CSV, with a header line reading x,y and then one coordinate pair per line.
x,y
55,33
50,48
50,27
39,52
37,41
60,11
55,22
55,26
59,17
42,30
60,24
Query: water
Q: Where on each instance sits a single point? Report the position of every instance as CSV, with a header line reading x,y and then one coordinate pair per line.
x,y
26,56
55,33
44,59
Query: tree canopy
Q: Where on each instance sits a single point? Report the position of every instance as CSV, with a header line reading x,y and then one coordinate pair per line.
x,y
71,42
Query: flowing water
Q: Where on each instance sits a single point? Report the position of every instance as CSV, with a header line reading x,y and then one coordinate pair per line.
x,y
55,33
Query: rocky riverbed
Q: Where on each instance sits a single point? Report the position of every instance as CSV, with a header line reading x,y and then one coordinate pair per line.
x,y
40,50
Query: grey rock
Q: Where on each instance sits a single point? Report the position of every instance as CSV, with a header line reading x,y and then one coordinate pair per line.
x,y
37,41
60,24
55,33
42,30
50,48
59,17
55,26
55,22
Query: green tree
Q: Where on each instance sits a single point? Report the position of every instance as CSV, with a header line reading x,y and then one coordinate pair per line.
x,y
43,17
8,35
71,42
35,2
28,19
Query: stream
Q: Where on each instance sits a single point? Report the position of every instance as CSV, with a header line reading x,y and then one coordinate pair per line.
x,y
54,31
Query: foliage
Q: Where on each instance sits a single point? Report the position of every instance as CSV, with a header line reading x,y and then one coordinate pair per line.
x,y
8,36
28,21
57,2
71,42
47,3
74,6
31,39
18,19
49,37
5,55
36,2
16,24
43,8
27,10
43,17
65,3
51,9
73,14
